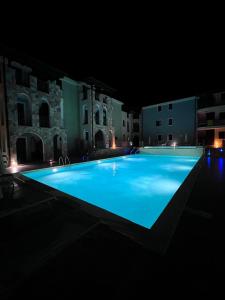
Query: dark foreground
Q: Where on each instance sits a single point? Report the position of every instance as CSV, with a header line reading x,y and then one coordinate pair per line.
x,y
99,263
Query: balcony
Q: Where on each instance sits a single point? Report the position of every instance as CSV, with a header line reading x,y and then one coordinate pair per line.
x,y
212,123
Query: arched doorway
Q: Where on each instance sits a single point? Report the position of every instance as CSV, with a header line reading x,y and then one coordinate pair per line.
x,y
136,141
57,146
99,140
44,115
29,148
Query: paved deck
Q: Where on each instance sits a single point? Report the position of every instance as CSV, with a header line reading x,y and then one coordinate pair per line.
x,y
107,265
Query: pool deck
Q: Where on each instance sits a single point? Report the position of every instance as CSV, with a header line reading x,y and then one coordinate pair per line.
x,y
72,253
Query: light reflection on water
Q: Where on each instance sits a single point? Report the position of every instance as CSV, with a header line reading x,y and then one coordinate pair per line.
x,y
137,188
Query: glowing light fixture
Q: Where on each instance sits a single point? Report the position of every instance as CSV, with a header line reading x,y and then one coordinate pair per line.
x,y
217,143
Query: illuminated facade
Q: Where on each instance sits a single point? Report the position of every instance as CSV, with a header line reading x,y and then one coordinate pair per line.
x,y
45,117
211,120
170,123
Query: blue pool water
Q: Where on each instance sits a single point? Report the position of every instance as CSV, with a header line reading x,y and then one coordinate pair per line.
x,y
135,187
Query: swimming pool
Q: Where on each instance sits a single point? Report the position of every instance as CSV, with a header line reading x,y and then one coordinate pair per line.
x,y
135,187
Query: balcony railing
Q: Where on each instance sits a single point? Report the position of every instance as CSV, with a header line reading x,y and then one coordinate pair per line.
x,y
209,123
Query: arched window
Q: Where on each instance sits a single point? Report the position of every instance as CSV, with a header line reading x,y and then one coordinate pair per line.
x,y
85,114
97,115
24,113
44,115
104,117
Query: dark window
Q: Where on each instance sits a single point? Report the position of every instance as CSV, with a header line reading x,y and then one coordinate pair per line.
x,y
86,135
222,115
42,86
104,117
44,115
223,96
136,127
96,95
124,138
158,123
97,121
170,137
210,116
128,127
21,113
159,107
19,76
159,137
22,78
222,135
85,115
123,123
170,122
170,106
84,92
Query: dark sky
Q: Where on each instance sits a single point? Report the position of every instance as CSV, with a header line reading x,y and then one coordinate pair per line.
x,y
146,63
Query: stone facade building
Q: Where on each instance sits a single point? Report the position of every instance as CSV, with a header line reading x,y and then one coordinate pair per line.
x,y
34,116
44,118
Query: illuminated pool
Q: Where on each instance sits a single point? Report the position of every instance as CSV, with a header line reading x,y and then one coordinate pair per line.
x,y
135,187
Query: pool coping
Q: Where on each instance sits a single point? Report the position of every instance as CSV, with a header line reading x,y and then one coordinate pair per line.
x,y
159,236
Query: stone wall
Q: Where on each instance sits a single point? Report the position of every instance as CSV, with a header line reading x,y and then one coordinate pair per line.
x,y
34,98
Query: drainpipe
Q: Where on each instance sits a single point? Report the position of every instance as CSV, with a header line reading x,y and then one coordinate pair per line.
x,y
6,109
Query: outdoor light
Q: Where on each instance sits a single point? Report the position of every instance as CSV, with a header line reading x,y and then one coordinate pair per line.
x,y
50,162
221,149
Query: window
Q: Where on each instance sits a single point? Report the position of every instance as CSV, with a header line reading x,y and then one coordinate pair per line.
x,y
105,100
222,115
124,137
96,95
84,92
222,135
123,123
19,76
158,123
223,96
42,86
159,137
44,115
159,107
97,116
128,127
170,121
170,137
170,106
21,114
104,117
86,136
136,127
85,115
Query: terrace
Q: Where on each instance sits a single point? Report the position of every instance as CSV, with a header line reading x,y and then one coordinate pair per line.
x,y
69,249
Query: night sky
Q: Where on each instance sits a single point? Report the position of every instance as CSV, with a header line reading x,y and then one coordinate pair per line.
x,y
146,63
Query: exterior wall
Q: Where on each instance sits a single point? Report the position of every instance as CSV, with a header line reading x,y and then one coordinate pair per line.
x,y
215,124
92,104
117,121
183,129
35,98
71,112
3,119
